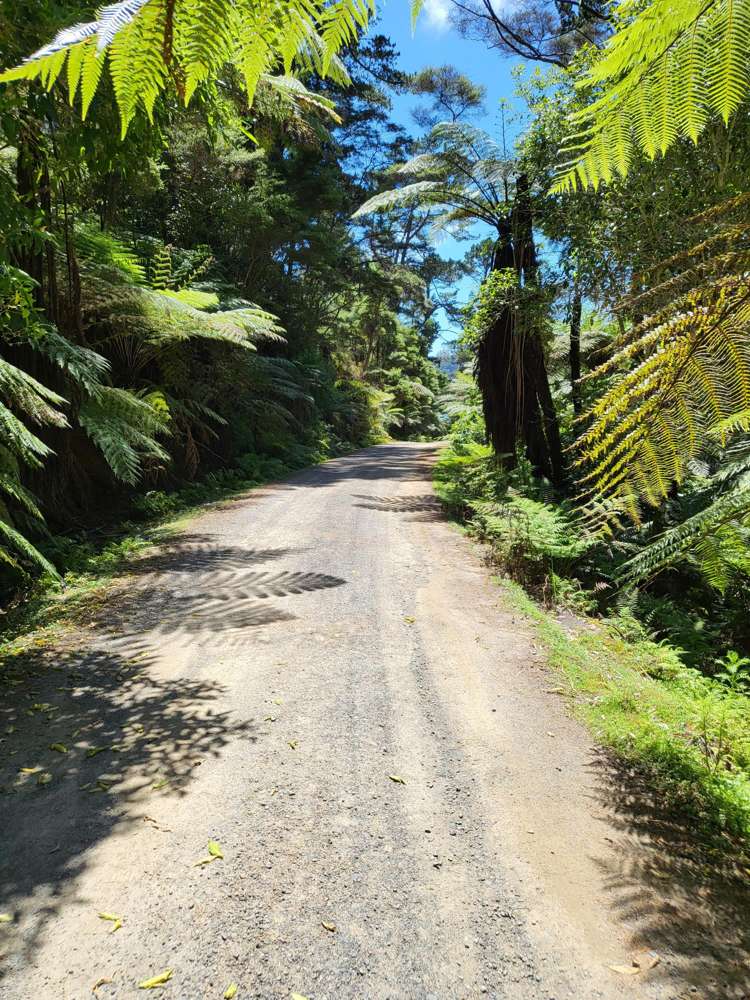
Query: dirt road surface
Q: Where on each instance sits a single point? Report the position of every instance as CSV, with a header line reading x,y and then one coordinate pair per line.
x,y
322,677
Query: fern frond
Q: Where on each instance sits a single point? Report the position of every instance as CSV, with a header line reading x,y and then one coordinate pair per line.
x,y
148,44
125,429
679,379
662,76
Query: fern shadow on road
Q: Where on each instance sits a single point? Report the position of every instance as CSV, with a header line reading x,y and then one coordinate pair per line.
x,y
408,462
422,507
201,589
678,897
92,744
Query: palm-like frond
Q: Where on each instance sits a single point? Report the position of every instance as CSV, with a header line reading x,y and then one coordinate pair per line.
x,y
462,175
147,44
125,429
662,76
681,375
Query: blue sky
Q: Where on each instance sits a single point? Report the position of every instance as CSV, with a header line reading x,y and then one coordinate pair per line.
x,y
435,42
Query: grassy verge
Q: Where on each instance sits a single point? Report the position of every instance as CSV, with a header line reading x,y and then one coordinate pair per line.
x,y
689,733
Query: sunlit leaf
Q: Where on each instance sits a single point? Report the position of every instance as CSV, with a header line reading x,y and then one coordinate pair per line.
x,y
156,981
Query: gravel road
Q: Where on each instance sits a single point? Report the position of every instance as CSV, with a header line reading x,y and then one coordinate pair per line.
x,y
321,677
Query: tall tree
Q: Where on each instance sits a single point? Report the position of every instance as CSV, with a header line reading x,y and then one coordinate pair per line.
x,y
464,179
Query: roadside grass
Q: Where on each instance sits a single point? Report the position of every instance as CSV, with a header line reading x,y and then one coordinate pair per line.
x,y
688,733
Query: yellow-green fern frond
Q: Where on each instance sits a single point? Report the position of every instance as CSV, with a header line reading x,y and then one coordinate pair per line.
x,y
679,380
660,77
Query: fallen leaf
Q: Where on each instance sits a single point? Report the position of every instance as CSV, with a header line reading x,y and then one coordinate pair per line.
x,y
397,778
214,849
160,980
59,747
626,970
29,770
44,778
230,991
328,927
93,751
298,996
160,784
100,982
270,718
116,921
646,960
292,743
6,918
203,861
409,620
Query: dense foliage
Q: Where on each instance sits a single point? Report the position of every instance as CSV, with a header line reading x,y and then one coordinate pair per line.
x,y
190,296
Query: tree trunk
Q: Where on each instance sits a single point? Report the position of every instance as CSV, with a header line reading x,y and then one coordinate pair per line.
x,y
576,307
498,371
546,456
511,370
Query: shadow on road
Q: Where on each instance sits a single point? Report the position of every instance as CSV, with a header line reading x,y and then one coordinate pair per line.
x,y
85,734
92,737
422,507
198,588
676,895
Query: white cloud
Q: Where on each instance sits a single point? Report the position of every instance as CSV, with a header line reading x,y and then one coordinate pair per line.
x,y
437,14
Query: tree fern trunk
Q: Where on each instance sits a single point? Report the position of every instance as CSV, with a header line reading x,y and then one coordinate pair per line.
x,y
498,369
576,307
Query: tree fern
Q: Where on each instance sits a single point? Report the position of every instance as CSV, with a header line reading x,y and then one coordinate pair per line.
x,y
125,429
150,45
679,378
662,76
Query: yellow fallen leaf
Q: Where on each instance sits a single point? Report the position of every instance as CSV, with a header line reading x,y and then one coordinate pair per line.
x,y
160,784
59,747
100,982
160,980
116,921
626,970
29,770
293,744
214,849
397,778
328,927
298,996
6,918
44,778
409,620
203,861
93,751
230,991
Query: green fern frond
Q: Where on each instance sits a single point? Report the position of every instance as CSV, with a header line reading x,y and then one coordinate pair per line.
x,y
125,429
17,546
678,381
151,45
662,76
